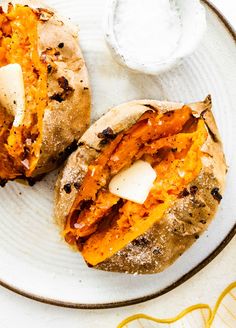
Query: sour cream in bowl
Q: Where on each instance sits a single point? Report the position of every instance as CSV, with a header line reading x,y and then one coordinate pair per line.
x,y
152,36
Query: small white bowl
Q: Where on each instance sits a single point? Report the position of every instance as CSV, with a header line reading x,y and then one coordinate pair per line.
x,y
193,20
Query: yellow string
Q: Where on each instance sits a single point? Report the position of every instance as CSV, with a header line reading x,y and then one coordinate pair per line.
x,y
208,323
218,302
169,320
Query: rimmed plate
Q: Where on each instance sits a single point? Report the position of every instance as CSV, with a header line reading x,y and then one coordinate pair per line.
x,y
34,261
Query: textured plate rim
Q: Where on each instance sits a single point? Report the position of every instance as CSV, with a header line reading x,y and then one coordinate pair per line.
x,y
178,282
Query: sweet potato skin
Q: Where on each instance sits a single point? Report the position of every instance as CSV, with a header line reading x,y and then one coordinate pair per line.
x,y
181,224
64,121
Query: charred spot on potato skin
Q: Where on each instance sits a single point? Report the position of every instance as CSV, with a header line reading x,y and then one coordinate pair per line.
x,y
103,142
67,90
3,182
203,221
58,97
64,84
141,241
184,193
150,106
216,195
106,135
31,181
67,188
193,190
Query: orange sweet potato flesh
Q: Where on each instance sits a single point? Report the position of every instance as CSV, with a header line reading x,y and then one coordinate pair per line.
x,y
100,223
20,146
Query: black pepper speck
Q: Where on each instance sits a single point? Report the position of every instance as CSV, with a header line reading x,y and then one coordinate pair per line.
x,y
67,188
216,195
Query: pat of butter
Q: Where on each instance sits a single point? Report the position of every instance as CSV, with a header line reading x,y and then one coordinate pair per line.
x,y
134,183
12,92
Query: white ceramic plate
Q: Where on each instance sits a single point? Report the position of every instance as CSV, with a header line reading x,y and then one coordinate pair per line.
x,y
34,261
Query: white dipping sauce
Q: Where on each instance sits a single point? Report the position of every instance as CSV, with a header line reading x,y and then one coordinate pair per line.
x,y
147,31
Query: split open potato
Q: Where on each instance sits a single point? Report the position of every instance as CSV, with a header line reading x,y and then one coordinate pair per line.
x,y
45,100
181,144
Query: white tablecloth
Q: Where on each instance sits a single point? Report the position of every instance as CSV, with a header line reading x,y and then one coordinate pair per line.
x,y
17,311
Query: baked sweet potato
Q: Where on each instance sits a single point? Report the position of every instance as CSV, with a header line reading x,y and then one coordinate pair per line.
x,y
182,144
57,91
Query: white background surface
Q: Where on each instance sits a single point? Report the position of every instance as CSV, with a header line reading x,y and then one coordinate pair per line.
x,y
16,311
